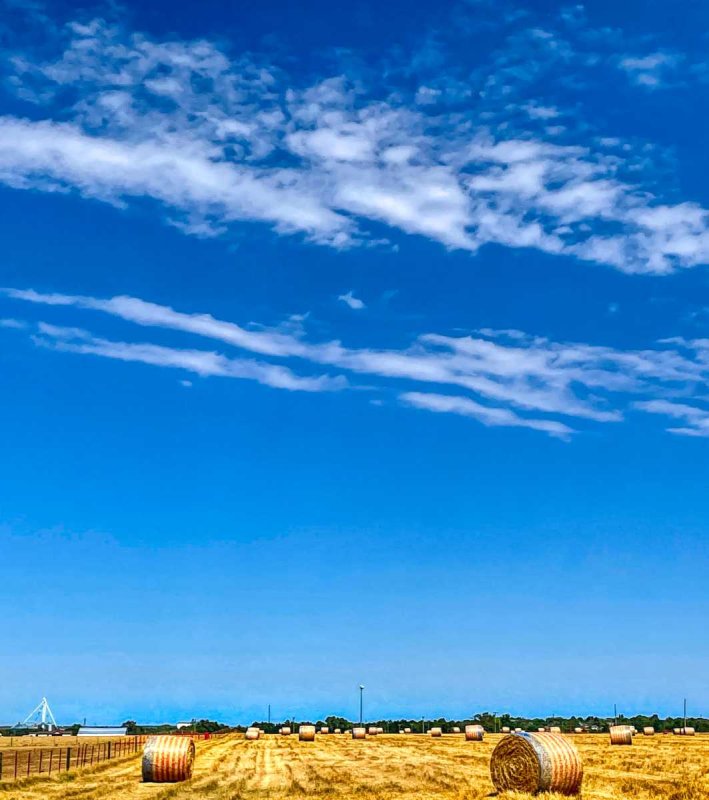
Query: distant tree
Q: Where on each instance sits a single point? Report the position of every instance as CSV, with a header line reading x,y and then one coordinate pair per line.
x,y
131,727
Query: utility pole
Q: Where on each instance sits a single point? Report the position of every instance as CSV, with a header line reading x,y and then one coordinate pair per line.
x,y
269,713
361,690
685,715
615,714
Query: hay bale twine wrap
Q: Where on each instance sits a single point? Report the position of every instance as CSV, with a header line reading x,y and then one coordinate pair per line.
x,y
359,733
621,734
648,731
252,733
436,732
168,759
306,733
536,762
474,733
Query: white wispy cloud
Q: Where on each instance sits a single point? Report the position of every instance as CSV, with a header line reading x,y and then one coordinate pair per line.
x,y
506,378
651,70
199,362
217,139
353,302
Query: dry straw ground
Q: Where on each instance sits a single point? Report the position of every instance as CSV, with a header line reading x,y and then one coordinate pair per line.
x,y
384,768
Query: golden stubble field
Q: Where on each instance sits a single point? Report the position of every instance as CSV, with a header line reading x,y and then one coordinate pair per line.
x,y
383,768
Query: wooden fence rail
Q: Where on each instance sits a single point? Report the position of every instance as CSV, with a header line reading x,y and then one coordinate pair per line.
x,y
22,763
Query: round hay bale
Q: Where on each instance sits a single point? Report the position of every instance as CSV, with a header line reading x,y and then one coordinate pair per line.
x,y
252,733
621,734
337,730
675,731
436,732
380,730
372,731
168,759
359,733
285,731
518,730
306,733
474,733
536,762
687,731
456,729
505,729
555,729
578,730
324,729
541,730
648,731
407,730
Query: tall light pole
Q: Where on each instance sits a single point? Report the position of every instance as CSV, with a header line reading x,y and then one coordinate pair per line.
x,y
361,690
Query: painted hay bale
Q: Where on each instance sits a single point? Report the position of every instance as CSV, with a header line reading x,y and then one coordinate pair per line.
x,y
372,731
505,729
252,733
359,733
536,762
621,734
456,729
285,731
436,732
168,759
648,731
306,733
555,729
407,730
578,730
474,733
324,729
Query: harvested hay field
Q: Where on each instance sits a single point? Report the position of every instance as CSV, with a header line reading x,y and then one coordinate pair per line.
x,y
386,767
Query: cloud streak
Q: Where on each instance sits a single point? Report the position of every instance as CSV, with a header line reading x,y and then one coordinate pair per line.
x,y
218,139
504,378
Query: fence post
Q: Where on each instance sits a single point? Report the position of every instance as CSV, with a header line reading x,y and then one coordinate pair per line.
x,y
29,760
15,775
0,765
109,750
68,758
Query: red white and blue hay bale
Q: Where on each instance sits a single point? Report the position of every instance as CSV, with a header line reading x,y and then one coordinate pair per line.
x,y
474,733
306,733
536,762
168,759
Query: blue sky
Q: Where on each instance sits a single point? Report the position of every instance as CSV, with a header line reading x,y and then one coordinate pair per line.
x,y
353,345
